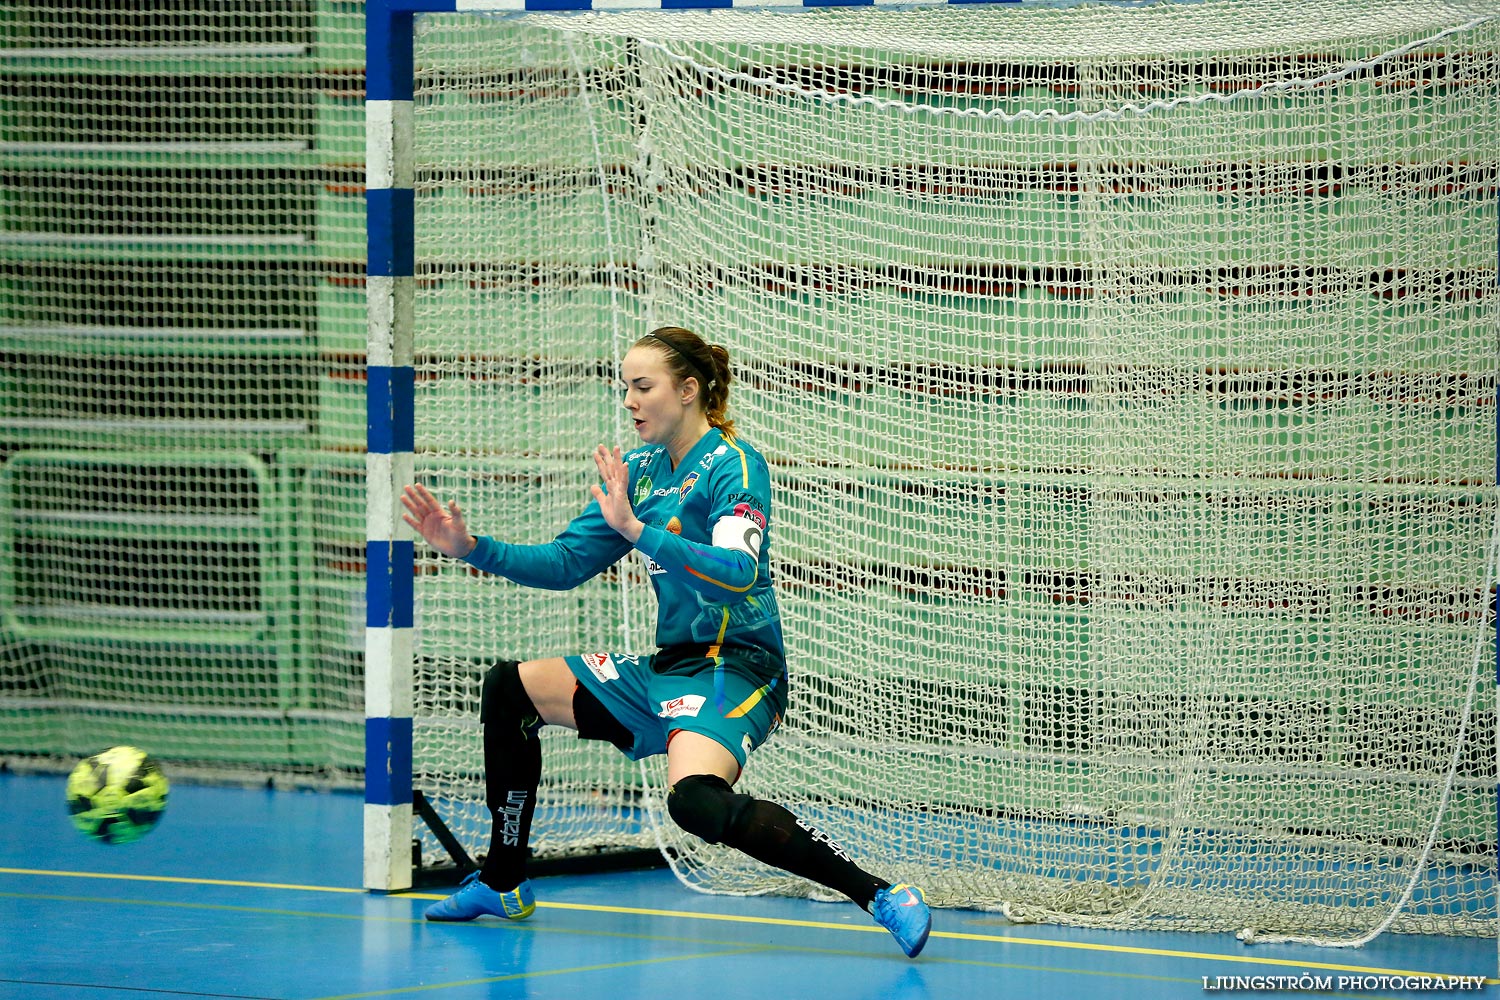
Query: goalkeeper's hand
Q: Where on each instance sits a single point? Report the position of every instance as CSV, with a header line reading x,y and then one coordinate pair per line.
x,y
443,527
614,501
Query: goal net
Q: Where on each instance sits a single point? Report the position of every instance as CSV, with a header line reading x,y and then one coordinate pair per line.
x,y
1127,375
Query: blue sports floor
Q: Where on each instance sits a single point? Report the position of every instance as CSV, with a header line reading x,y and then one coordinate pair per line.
x,y
255,894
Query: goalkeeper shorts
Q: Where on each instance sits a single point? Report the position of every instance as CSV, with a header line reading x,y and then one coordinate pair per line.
x,y
725,697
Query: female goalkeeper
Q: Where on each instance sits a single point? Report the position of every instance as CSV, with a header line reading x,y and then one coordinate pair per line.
x,y
695,502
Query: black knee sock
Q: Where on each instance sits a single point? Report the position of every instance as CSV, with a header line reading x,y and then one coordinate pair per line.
x,y
512,771
771,834
705,805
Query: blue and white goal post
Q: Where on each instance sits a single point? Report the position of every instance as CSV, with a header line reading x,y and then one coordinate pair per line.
x,y
390,566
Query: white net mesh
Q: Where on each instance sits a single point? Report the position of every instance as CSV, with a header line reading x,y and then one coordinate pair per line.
x,y
1127,376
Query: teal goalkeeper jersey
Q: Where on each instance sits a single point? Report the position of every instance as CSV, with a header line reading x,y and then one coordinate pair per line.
x,y
705,545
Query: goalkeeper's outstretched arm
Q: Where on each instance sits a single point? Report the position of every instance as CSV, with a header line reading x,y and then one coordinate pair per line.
x,y
584,549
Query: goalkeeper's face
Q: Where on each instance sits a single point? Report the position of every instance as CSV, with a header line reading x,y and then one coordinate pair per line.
x,y
661,407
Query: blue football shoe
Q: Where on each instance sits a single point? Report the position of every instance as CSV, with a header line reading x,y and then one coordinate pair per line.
x,y
902,910
475,899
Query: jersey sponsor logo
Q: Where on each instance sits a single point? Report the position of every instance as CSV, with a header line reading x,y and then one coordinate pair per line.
x,y
708,460
644,454
601,666
687,487
688,705
750,514
642,488
665,491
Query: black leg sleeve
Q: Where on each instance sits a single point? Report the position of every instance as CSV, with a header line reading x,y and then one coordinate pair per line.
x,y
512,772
705,805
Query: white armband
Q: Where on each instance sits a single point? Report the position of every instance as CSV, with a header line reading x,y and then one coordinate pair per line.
x,y
738,533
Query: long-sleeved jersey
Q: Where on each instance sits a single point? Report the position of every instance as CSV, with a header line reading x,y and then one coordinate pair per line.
x,y
705,544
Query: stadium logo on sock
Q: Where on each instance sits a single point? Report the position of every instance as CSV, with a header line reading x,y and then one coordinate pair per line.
x,y
510,818
822,838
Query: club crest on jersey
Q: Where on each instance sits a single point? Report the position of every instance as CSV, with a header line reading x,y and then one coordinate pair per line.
x,y
688,704
674,526
687,487
642,488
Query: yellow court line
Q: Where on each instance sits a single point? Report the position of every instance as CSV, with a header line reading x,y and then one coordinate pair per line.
x,y
786,922
185,881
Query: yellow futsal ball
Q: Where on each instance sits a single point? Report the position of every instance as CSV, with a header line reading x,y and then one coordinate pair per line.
x,y
117,796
